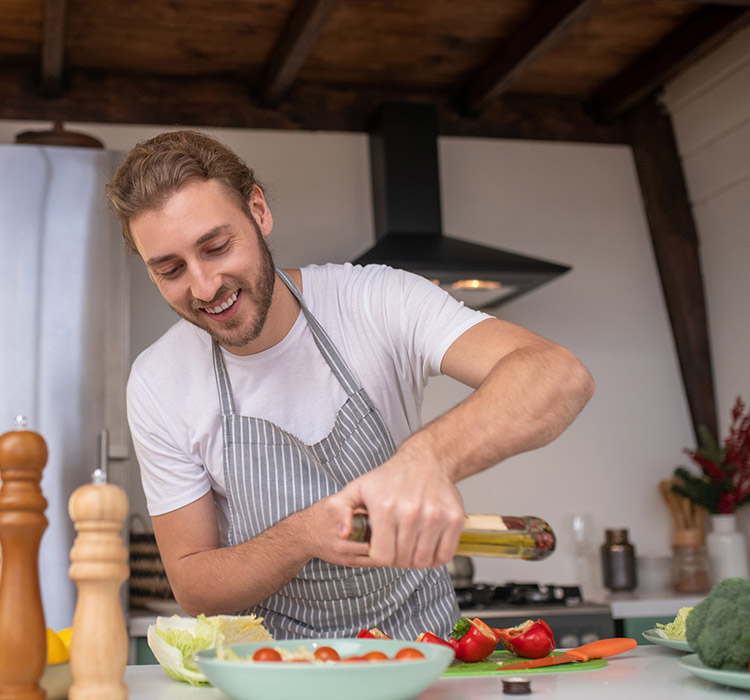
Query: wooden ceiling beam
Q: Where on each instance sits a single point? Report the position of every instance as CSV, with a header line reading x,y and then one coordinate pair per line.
x,y
221,102
738,3
301,31
53,47
696,37
676,246
526,45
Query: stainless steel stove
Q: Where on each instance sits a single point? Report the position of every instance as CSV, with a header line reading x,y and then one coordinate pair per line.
x,y
573,621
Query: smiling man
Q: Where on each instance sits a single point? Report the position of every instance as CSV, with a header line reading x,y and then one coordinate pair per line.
x,y
284,401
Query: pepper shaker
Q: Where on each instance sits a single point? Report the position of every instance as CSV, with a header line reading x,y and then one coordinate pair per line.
x,y
618,561
99,642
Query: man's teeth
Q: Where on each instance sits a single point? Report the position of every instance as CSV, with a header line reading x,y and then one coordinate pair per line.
x,y
223,307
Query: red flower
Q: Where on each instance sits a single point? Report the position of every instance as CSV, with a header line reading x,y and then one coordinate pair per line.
x,y
726,468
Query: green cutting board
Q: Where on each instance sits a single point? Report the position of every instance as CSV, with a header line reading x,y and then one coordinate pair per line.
x,y
489,666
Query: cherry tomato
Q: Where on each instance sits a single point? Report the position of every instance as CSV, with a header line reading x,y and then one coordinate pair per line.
x,y
375,656
355,659
409,653
326,654
266,654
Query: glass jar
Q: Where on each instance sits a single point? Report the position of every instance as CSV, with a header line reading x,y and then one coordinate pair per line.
x,y
618,561
690,569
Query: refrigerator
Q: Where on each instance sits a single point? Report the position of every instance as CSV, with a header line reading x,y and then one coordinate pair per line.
x,y
63,333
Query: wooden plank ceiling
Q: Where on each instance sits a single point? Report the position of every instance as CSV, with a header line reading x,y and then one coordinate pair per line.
x,y
562,69
573,70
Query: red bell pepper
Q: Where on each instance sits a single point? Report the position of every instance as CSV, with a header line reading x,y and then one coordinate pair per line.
x,y
472,640
432,638
372,633
530,640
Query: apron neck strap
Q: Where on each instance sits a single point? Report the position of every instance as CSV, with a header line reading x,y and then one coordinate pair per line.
x,y
329,351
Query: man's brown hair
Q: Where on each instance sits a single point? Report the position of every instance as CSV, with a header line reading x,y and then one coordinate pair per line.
x,y
155,169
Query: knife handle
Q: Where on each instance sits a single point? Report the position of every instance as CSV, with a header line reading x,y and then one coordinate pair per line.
x,y
602,647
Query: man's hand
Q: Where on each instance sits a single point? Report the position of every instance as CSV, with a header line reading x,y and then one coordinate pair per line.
x,y
416,513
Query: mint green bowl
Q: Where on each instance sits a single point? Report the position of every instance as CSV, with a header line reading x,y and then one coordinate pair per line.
x,y
384,680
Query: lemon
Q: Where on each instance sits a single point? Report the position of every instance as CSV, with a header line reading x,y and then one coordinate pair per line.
x,y
57,652
65,636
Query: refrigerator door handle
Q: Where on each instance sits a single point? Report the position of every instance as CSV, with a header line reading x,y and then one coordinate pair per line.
x,y
103,455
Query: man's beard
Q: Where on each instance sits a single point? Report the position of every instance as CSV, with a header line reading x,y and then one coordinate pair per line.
x,y
232,335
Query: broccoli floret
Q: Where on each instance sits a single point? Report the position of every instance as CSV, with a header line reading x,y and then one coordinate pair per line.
x,y
718,628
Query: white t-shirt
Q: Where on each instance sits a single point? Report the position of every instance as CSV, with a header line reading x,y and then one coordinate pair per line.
x,y
391,327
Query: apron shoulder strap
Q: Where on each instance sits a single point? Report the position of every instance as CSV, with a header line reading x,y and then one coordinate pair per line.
x,y
224,385
329,351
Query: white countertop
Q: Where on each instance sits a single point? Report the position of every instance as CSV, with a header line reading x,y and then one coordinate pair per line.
x,y
667,604
646,672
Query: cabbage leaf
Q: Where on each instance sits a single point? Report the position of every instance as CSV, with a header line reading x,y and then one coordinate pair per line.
x,y
175,640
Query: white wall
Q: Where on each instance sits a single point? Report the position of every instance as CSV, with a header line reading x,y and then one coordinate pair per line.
x,y
710,107
573,203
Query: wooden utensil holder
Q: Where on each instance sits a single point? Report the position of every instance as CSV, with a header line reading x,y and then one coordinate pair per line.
x,y
689,561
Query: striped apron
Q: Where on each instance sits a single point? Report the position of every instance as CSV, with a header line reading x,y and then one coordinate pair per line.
x,y
270,474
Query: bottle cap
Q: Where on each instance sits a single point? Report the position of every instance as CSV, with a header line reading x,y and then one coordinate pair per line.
x,y
617,535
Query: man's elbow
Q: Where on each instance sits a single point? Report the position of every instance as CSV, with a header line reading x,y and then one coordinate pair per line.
x,y
580,384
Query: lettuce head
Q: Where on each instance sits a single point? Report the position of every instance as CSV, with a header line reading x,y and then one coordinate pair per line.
x,y
677,628
175,640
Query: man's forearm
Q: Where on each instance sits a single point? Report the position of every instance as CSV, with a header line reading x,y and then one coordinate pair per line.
x,y
230,579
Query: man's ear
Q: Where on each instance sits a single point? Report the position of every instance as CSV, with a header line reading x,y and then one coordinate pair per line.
x,y
260,210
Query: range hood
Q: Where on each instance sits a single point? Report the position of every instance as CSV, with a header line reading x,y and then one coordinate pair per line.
x,y
408,217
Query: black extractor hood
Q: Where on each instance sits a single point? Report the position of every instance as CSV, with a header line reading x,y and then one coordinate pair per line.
x,y
408,217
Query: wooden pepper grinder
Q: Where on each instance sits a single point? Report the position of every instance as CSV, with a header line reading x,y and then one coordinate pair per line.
x,y
23,635
99,642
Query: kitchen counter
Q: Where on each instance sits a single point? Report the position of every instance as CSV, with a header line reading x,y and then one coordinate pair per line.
x,y
646,672
667,604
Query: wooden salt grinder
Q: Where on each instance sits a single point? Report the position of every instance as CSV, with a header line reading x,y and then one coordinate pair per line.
x,y
23,635
99,643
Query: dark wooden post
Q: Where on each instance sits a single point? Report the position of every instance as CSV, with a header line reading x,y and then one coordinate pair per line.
x,y
675,242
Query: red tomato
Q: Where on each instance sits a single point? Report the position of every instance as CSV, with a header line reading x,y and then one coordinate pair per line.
x,y
409,653
375,656
326,654
266,654
353,658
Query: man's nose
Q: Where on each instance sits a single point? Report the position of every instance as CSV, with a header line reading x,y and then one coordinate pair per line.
x,y
204,283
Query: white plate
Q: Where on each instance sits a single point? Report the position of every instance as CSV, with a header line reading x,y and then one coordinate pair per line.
x,y
655,638
386,680
735,679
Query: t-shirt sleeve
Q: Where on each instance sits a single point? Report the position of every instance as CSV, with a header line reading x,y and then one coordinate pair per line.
x,y
170,479
419,316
